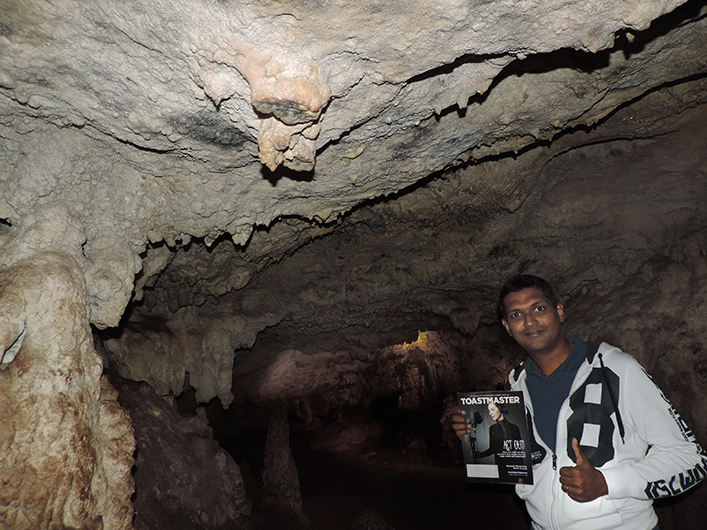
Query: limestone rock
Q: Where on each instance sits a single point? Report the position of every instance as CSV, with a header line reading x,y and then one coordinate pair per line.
x,y
183,478
198,350
66,446
142,122
281,490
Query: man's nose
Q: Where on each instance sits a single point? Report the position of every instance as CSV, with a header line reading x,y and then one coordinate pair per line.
x,y
529,319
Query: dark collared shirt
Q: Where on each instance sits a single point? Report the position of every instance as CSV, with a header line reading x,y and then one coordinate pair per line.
x,y
549,393
505,429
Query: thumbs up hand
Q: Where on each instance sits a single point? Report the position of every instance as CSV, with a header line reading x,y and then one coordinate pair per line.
x,y
582,482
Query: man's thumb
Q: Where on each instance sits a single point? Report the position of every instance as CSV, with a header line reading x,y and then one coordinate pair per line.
x,y
581,459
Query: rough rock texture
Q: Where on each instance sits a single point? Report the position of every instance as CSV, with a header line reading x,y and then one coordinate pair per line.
x,y
129,131
65,444
153,137
196,349
431,259
183,479
591,206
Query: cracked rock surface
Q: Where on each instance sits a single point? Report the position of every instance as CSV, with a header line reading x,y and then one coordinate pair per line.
x,y
125,126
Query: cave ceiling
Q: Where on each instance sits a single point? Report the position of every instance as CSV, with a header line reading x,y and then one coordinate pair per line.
x,y
350,171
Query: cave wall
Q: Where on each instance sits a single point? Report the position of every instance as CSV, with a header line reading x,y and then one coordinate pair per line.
x,y
588,211
183,479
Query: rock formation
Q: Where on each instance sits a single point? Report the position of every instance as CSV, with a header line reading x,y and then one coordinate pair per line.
x,y
66,446
182,478
281,491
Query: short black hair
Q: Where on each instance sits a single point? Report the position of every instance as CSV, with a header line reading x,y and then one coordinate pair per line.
x,y
525,281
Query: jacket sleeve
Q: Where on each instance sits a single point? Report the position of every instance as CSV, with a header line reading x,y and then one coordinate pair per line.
x,y
674,461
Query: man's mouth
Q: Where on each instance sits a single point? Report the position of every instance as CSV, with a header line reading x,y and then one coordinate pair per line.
x,y
534,333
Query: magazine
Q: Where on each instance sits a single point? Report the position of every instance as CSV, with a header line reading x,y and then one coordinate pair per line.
x,y
498,448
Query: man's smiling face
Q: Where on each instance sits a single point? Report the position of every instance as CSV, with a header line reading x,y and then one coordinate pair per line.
x,y
533,322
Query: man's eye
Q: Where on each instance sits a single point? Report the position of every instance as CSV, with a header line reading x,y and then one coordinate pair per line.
x,y
540,308
515,315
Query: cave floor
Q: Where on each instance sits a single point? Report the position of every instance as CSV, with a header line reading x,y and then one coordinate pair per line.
x,y
406,495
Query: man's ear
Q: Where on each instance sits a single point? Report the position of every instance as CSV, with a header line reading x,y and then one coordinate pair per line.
x,y
505,325
561,312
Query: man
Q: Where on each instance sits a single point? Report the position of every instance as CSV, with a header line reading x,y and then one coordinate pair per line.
x,y
607,441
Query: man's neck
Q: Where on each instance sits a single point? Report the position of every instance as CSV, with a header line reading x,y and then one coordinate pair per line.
x,y
550,361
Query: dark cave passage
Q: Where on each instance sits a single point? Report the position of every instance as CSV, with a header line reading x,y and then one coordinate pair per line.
x,y
374,466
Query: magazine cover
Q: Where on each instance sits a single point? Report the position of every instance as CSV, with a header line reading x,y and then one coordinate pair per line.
x,y
498,448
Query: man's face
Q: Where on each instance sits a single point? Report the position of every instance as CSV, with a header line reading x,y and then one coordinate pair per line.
x,y
494,412
533,322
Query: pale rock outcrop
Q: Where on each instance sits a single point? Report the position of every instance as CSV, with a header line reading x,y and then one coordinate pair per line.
x,y
196,349
66,446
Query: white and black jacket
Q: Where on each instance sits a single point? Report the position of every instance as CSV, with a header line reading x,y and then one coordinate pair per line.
x,y
628,430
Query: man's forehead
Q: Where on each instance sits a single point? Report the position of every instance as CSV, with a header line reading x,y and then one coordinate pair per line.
x,y
529,296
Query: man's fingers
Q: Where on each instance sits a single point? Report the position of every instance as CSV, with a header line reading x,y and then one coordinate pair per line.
x,y
568,477
459,418
461,426
566,472
583,482
460,423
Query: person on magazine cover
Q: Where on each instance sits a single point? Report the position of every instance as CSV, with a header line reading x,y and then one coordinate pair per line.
x,y
501,431
606,440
